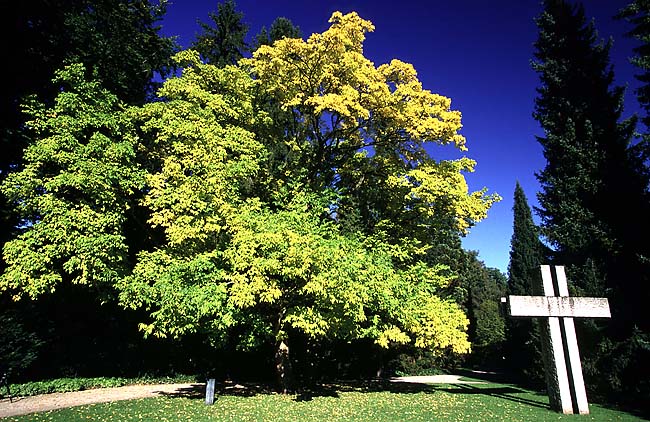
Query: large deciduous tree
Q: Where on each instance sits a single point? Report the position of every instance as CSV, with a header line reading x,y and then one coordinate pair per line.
x,y
289,195
360,131
299,201
73,192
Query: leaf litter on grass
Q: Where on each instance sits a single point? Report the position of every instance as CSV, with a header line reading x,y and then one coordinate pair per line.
x,y
429,403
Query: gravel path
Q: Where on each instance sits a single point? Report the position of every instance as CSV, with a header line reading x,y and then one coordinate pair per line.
x,y
45,402
435,379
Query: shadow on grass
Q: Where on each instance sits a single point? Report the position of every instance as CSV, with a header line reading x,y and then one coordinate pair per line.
x,y
488,376
304,393
501,392
195,391
227,388
368,386
308,393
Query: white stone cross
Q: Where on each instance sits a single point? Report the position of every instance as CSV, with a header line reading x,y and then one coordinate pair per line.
x,y
566,386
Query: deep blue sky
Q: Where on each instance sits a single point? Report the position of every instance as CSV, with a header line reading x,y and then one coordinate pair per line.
x,y
476,52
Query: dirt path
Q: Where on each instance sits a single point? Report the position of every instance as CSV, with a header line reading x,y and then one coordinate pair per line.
x,y
435,379
45,402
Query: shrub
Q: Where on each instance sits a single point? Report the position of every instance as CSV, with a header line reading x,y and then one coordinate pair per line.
x,y
64,385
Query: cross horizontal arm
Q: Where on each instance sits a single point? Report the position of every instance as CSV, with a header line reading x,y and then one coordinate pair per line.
x,y
551,306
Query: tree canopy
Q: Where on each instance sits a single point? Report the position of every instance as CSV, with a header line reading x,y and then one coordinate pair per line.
x,y
221,42
73,191
594,199
527,253
288,194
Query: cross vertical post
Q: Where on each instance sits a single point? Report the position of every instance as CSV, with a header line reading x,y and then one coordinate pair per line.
x,y
557,378
565,382
571,347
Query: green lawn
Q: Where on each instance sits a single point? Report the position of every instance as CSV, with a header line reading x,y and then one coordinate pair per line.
x,y
372,402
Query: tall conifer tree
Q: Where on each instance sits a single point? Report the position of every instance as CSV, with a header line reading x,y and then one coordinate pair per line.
x,y
222,41
526,250
637,13
594,186
526,255
589,178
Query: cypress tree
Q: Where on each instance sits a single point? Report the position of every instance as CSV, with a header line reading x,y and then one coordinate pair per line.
x,y
525,249
526,255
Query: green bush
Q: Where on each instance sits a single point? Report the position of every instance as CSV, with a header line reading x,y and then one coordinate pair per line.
x,y
423,362
19,347
64,385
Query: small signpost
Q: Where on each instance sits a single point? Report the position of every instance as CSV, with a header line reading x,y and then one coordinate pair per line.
x,y
566,386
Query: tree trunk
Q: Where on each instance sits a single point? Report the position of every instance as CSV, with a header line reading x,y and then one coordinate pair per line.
x,y
283,367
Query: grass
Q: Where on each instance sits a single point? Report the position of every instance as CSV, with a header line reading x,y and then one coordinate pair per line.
x,y
339,402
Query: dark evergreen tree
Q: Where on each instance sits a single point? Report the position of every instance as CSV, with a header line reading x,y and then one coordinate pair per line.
x,y
579,113
594,188
594,199
526,249
524,278
637,14
222,40
120,42
280,28
487,326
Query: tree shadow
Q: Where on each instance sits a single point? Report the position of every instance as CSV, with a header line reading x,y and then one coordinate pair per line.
x,y
504,392
488,376
304,393
226,388
501,392
192,392
317,390
361,386
333,389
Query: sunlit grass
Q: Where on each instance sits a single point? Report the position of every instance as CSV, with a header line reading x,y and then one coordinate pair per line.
x,y
371,402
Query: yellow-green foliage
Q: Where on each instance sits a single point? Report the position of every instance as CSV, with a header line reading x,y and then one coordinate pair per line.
x,y
329,73
253,216
73,190
292,192
346,107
